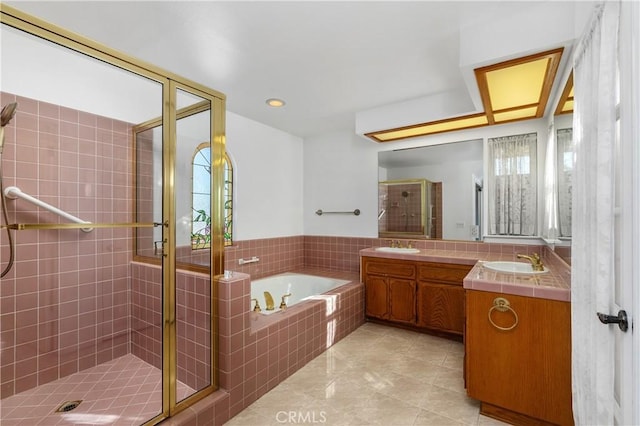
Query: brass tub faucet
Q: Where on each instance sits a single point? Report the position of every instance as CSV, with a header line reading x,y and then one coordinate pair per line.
x,y
269,301
283,304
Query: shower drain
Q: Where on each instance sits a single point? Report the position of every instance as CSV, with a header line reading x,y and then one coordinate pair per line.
x,y
68,406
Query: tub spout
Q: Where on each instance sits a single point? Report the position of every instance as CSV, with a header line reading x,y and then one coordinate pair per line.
x,y
283,304
269,301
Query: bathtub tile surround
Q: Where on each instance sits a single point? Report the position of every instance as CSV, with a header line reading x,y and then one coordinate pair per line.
x,y
64,306
256,352
277,255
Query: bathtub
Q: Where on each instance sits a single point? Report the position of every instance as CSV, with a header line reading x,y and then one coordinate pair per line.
x,y
301,287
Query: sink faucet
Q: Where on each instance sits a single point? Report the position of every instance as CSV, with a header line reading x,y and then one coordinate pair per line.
x,y
536,262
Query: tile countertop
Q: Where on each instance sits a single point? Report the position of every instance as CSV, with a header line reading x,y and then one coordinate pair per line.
x,y
555,285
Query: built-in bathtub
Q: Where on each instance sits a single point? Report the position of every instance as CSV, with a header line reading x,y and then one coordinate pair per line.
x,y
292,288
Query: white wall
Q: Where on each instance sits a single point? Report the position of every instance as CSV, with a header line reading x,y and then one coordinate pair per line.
x,y
268,179
341,173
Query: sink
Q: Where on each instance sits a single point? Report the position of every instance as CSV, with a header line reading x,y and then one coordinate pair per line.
x,y
513,268
398,249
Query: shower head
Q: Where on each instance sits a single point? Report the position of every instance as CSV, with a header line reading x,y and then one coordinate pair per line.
x,y
405,194
8,111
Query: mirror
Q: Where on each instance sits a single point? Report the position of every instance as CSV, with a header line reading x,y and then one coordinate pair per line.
x,y
453,176
406,209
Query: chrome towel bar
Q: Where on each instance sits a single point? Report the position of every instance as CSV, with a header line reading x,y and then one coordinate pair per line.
x,y
356,212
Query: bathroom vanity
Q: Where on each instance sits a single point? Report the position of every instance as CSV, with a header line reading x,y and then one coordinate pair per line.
x,y
424,295
516,327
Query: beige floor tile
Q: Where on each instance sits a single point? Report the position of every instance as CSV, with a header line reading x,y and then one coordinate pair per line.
x,y
378,375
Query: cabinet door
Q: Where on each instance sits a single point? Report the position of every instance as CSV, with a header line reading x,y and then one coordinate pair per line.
x,y
527,369
402,300
377,297
441,306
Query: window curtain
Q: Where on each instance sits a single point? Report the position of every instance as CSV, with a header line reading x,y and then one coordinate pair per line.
x,y
565,180
512,185
550,225
592,276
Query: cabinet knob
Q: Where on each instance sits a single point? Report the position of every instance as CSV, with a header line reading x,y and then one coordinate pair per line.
x,y
501,304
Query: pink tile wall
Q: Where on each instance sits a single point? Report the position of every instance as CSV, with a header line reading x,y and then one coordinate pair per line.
x,y
64,306
276,255
254,360
193,321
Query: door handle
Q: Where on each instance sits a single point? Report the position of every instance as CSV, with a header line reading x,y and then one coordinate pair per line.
x,y
621,319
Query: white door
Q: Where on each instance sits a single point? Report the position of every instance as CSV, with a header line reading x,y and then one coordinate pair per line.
x,y
627,222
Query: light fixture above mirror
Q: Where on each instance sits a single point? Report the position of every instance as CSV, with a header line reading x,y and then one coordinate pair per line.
x,y
513,90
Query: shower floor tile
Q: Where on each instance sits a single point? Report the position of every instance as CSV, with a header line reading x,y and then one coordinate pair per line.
x,y
124,391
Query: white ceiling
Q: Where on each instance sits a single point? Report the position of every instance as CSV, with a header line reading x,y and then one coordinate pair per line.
x,y
328,60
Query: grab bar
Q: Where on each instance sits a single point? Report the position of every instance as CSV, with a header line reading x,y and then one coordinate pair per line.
x,y
14,192
252,260
356,212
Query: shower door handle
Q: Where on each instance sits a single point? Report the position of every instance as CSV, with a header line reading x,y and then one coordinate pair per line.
x,y
158,248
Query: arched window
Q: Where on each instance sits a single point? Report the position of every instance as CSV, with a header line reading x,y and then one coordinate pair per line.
x,y
201,195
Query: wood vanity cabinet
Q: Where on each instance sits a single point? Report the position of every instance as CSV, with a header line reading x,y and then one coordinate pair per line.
x,y
422,295
441,296
390,289
522,375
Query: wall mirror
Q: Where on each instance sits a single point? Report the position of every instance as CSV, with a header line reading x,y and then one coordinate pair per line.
x,y
453,181
405,209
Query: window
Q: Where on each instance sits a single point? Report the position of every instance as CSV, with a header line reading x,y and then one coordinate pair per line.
x,y
512,185
201,199
565,180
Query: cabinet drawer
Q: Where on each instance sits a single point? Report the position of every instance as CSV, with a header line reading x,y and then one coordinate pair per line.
x,y
443,272
401,270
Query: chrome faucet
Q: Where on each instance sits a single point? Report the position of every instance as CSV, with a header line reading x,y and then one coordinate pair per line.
x,y
536,262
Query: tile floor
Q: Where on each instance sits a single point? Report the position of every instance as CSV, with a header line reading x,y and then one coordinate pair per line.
x,y
377,375
125,391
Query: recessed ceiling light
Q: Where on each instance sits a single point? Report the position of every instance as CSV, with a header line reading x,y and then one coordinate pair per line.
x,y
275,102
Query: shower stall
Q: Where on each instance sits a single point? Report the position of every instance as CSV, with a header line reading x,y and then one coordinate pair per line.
x,y
110,318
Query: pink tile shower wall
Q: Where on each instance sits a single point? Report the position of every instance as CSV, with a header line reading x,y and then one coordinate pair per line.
x,y
64,306
193,321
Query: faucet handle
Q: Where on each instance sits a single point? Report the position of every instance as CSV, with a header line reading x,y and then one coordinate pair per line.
x,y
283,304
257,307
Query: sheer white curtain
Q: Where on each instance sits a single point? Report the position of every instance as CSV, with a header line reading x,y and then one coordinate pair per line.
x,y
512,185
550,224
592,244
565,148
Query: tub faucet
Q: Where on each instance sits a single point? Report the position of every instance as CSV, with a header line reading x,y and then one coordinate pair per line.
x,y
257,307
283,304
536,262
269,301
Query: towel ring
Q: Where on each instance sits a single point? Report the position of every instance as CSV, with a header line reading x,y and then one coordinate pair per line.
x,y
502,305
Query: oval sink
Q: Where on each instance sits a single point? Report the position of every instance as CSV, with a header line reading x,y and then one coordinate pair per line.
x,y
513,268
398,249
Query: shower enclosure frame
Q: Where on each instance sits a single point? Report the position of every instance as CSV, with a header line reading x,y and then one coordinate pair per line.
x,y
170,83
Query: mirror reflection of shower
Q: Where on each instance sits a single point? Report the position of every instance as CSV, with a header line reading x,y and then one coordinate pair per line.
x,y
407,213
8,112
